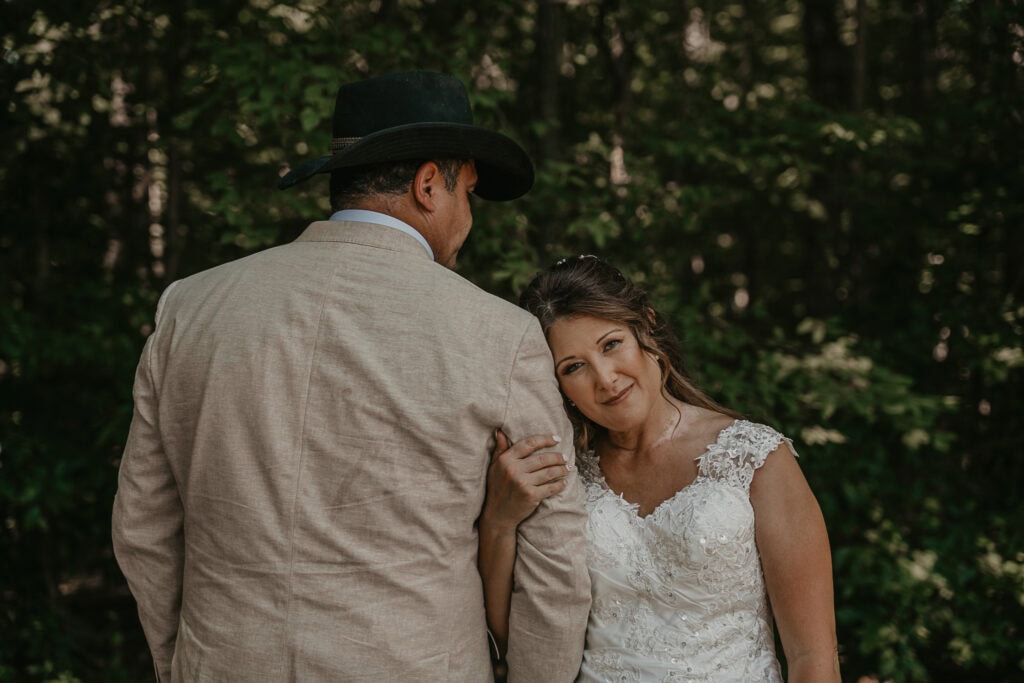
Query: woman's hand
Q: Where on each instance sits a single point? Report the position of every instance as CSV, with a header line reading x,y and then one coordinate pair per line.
x,y
520,477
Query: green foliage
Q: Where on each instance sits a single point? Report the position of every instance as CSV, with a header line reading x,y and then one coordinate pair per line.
x,y
834,233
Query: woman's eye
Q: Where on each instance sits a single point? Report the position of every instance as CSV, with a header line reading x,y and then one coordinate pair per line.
x,y
611,344
570,368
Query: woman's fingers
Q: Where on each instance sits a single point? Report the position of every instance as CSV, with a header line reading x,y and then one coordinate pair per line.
x,y
551,488
550,474
542,461
501,443
544,465
506,450
522,475
532,483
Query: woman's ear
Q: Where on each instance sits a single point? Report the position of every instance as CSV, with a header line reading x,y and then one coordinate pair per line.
x,y
651,315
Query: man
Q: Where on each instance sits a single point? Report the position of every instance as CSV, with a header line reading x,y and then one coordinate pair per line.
x,y
299,489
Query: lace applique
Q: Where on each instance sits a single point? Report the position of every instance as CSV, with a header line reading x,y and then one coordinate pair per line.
x,y
741,448
586,465
609,665
617,610
679,594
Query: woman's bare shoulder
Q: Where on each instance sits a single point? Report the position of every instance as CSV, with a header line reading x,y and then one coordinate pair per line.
x,y
702,425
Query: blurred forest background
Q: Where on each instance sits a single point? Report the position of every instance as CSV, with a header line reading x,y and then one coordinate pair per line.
x,y
826,197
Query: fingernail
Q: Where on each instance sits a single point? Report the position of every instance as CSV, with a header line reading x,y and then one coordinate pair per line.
x,y
557,438
565,457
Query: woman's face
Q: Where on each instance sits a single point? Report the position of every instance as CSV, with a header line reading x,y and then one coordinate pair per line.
x,y
602,369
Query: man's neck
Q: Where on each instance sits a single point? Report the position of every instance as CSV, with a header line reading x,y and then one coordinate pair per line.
x,y
367,215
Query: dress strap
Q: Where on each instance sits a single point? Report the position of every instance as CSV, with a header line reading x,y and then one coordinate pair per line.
x,y
740,449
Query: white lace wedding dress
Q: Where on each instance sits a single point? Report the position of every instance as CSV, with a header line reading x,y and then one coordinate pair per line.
x,y
679,594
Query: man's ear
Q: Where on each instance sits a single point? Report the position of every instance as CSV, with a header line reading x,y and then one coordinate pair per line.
x,y
425,185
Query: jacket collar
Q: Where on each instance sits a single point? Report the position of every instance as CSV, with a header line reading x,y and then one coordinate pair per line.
x,y
365,234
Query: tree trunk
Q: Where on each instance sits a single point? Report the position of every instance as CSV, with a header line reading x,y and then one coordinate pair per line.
x,y
860,58
826,75
550,40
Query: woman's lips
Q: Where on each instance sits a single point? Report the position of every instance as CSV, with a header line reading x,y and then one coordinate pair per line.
x,y
619,397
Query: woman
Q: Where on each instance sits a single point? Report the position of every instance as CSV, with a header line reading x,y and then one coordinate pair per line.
x,y
701,526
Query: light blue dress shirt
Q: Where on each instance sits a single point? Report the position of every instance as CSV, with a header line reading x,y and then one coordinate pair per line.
x,y
364,216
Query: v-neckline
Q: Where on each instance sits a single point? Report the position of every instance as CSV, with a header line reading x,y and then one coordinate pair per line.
x,y
634,508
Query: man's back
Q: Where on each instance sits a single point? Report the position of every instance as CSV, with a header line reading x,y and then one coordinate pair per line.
x,y
324,408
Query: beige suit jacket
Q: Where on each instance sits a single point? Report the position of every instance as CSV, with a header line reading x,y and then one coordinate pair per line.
x,y
306,463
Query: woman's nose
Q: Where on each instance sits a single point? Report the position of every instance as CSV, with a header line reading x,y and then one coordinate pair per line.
x,y
605,375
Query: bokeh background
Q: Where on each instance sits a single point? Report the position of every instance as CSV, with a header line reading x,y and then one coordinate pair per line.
x,y
825,196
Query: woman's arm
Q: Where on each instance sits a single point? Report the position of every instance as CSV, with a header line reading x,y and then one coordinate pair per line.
x,y
518,479
797,562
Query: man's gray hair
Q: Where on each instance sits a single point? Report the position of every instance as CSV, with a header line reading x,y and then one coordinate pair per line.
x,y
350,185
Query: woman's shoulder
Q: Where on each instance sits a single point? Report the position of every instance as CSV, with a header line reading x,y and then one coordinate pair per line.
x,y
704,425
754,437
740,448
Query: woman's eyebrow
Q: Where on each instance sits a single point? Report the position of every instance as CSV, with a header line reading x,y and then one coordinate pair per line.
x,y
596,342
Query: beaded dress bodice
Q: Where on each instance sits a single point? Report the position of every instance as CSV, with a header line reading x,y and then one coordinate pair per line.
x,y
679,595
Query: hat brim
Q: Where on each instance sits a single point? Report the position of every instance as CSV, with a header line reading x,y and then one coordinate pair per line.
x,y
504,170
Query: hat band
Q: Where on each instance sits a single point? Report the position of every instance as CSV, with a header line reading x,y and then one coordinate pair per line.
x,y
341,144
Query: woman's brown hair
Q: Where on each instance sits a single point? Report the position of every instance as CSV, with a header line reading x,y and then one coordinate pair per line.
x,y
586,285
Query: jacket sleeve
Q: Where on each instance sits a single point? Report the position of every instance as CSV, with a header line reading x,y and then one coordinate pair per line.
x,y
551,586
148,518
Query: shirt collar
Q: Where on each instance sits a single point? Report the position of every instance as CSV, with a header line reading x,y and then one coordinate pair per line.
x,y
364,216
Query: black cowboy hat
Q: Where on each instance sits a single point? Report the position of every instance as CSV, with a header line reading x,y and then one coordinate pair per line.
x,y
412,116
